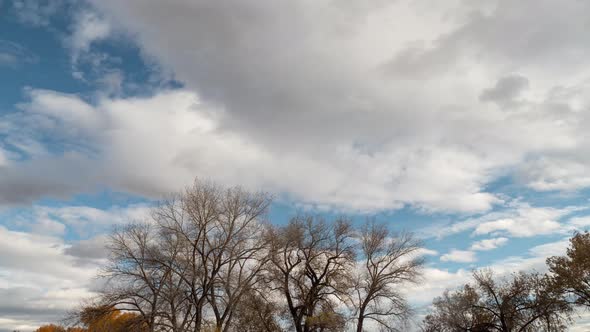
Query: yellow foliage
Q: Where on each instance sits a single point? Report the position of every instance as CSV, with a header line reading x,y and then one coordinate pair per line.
x,y
103,319
58,328
51,328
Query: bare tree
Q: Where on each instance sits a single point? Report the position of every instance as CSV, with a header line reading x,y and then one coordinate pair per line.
x,y
176,308
459,311
388,261
523,303
135,281
193,262
256,313
222,252
207,260
310,265
239,252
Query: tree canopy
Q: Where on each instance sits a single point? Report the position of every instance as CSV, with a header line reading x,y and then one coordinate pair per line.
x,y
571,273
207,260
522,302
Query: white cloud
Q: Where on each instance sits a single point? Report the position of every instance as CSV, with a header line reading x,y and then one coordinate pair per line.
x,y
37,256
350,107
489,244
39,282
157,144
459,256
88,28
89,220
518,228
427,252
36,13
48,226
436,280
582,322
550,249
401,95
8,325
580,222
434,283
41,275
517,219
84,221
529,222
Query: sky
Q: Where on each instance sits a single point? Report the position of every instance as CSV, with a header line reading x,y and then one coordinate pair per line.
x,y
462,121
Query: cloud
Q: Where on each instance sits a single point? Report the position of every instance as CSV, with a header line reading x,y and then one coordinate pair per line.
x,y
36,13
302,86
434,283
405,99
506,90
9,325
39,281
154,145
88,220
82,221
516,219
14,55
582,222
48,226
37,256
436,280
42,276
89,252
427,252
494,33
87,29
582,322
459,256
488,244
528,222
20,302
564,172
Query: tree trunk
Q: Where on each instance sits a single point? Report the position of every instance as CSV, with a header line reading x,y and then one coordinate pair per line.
x,y
198,320
359,327
361,318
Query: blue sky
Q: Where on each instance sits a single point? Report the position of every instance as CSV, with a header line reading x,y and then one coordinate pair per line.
x,y
462,122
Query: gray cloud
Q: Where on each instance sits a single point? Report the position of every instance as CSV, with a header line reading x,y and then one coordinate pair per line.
x,y
121,162
327,104
505,34
506,90
19,302
39,282
88,252
291,77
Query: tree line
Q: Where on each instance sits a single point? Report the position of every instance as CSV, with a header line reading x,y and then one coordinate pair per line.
x,y
208,260
522,302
